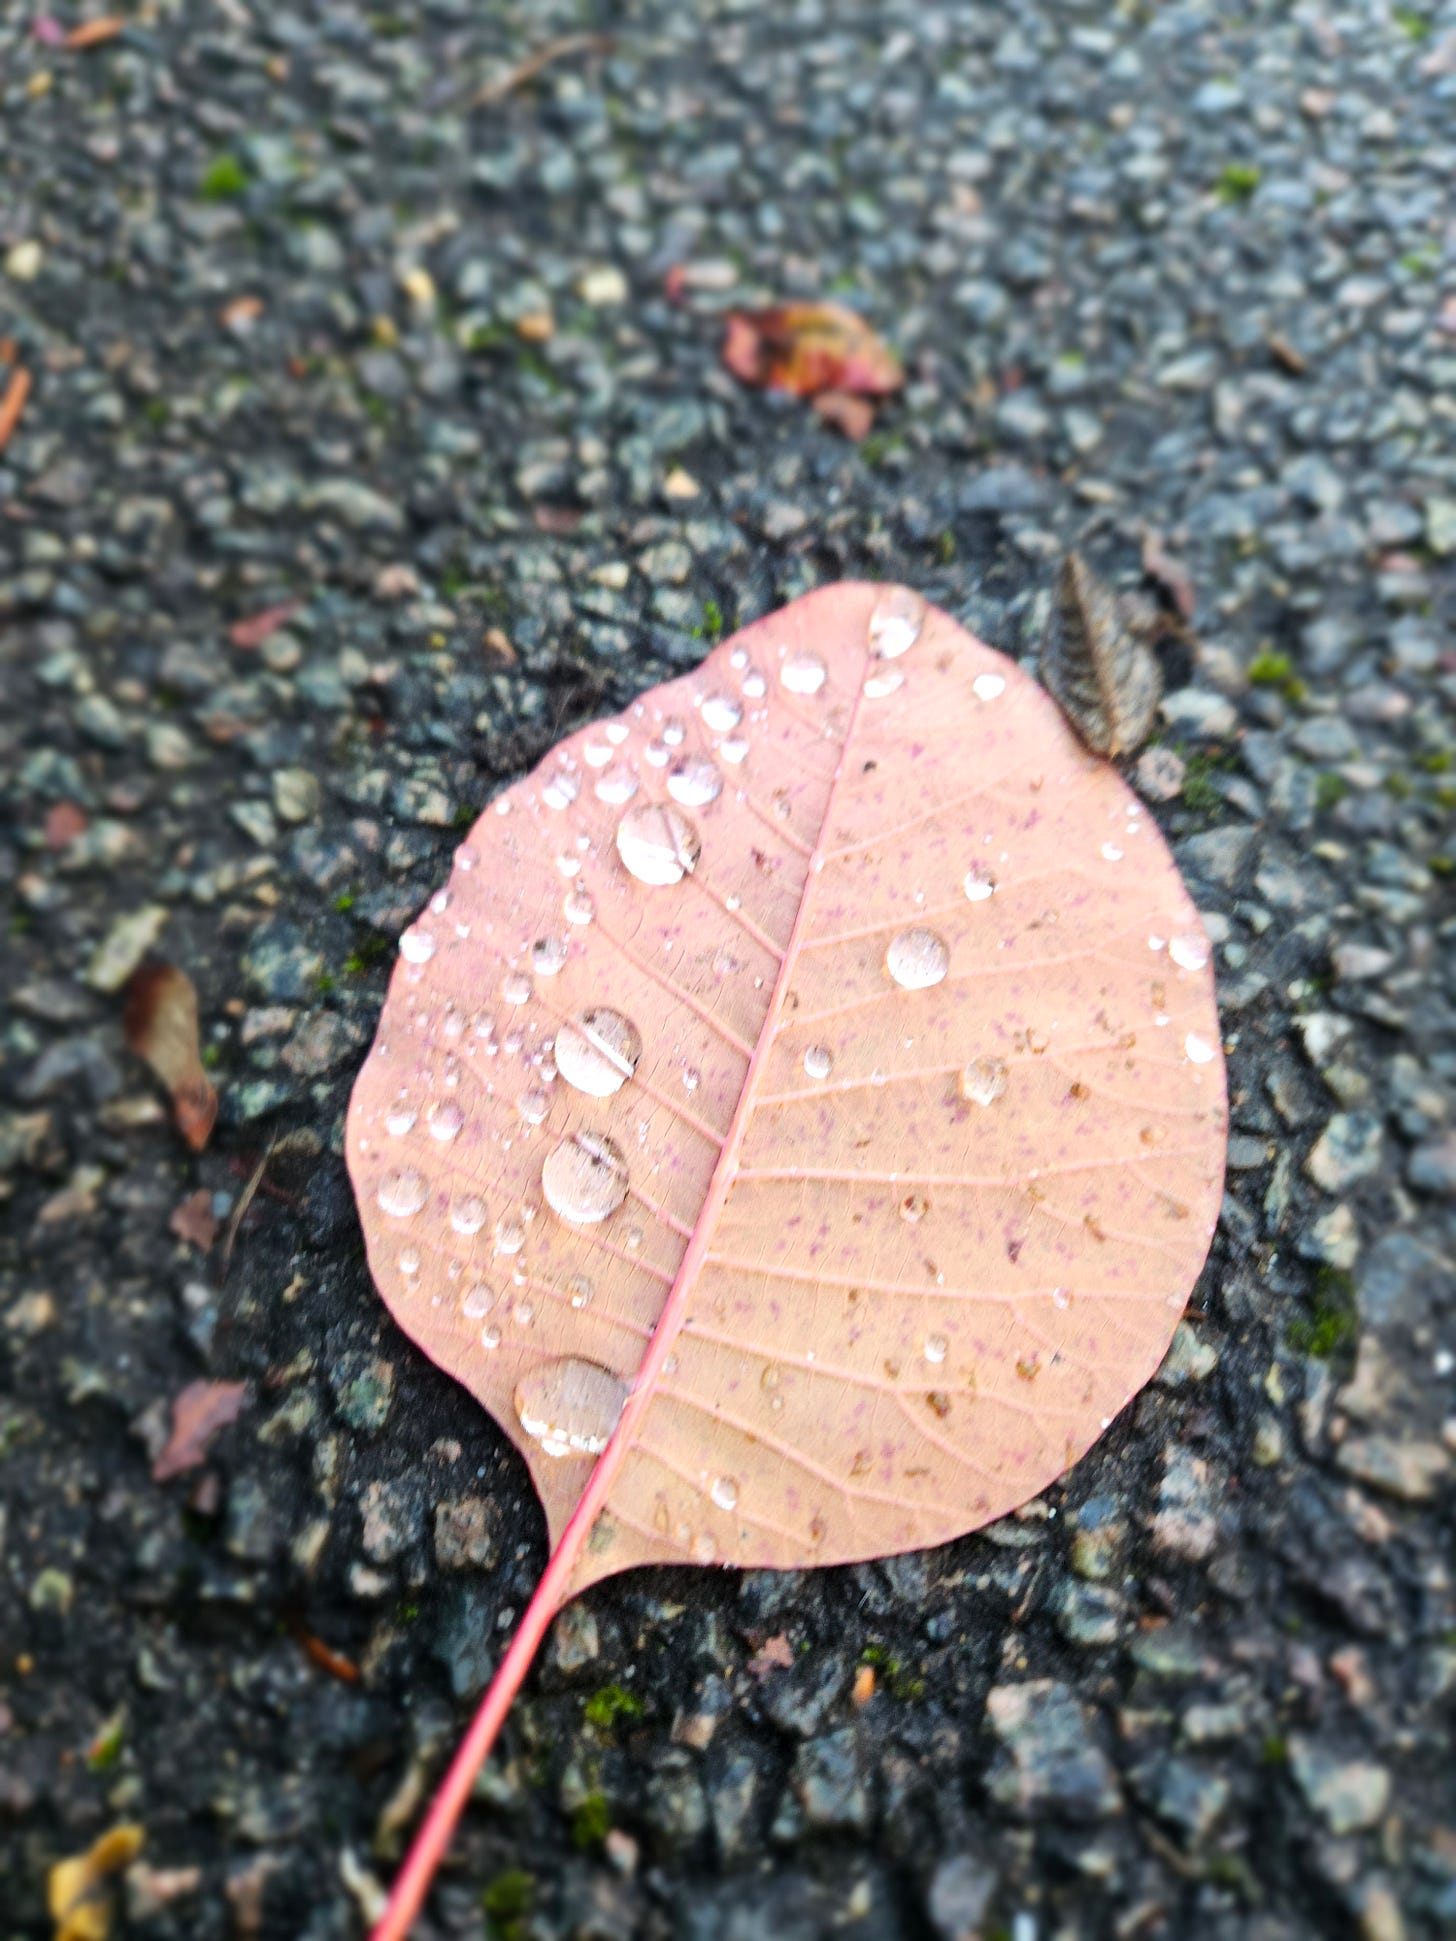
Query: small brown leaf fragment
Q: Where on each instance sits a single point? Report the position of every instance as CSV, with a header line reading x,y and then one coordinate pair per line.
x,y
809,348
1163,570
775,1654
240,313
194,1221
324,1656
160,1021
64,822
1284,353
864,1685
1097,662
253,631
853,416
198,1413
93,33
13,403
79,1890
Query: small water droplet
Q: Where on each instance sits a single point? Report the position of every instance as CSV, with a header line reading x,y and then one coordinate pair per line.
x,y
549,955
1111,853
445,1120
490,1338
579,906
417,946
734,750
523,1313
803,672
596,753
399,1119
483,1024
988,687
1061,1298
979,884
616,732
887,680
657,843
402,1194
584,1179
936,1346
704,1548
570,1407
725,1492
409,1260
913,1208
657,753
692,1078
1198,1049
477,1301
534,1104
515,988
580,1289
617,785
568,864
502,805
1189,952
695,781
982,1081
917,959
510,1235
818,1061
452,1025
465,858
721,713
598,1052
895,623
561,790
673,731
634,1239
468,1215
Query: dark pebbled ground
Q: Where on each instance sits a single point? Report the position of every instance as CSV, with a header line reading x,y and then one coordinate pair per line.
x,y
1150,268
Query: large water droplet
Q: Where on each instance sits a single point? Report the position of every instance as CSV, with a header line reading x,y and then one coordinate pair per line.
x,y
468,1215
515,988
916,959
570,1407
399,1119
695,781
549,955
803,672
734,750
895,624
988,687
983,1081
596,753
477,1301
1198,1049
1189,951
445,1120
979,884
598,1052
818,1061
657,843
578,906
725,1492
417,946
886,681
584,1179
402,1194
617,785
561,790
721,714
753,684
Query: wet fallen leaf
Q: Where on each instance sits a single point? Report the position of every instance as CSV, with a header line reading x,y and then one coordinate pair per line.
x,y
1170,574
12,403
80,1892
807,348
94,33
253,631
774,1654
198,1413
1097,661
194,1221
160,1021
800,1118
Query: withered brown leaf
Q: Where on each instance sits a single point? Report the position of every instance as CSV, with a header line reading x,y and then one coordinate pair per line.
x,y
160,1022
198,1412
1097,661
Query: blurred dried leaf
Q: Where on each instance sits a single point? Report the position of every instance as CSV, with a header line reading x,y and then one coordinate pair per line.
x,y
775,1654
253,631
93,33
1097,662
853,416
194,1221
807,348
160,1021
79,1893
13,403
1168,573
198,1413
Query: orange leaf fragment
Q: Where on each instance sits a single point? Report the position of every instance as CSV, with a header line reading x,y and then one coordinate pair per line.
x,y
12,403
804,1130
160,1022
324,1656
806,348
93,33
253,631
198,1412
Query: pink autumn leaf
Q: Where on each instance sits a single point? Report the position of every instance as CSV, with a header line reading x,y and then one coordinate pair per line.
x,y
198,1412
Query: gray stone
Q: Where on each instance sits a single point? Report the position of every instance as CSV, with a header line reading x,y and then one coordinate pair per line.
x,y
124,946
829,1785
1186,1524
467,1530
363,1388
959,1897
1348,1795
1350,1148
1218,856
1049,1760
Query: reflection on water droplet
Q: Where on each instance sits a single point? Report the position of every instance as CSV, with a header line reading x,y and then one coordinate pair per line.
x,y
510,1235
734,750
616,732
886,681
502,805
617,785
598,1052
417,946
402,1194
916,959
570,1407
409,1260
534,1104
673,731
580,1289
490,1338
704,1549
988,687
596,752
477,1301
803,672
1189,952
579,906
465,857
445,1120
584,1179
468,1215
692,1078
549,955
725,1492
983,1081
979,884
818,1061
657,753
399,1119
1198,1049
695,781
935,1347
721,714
1111,852
515,988
560,791
895,623
657,843
913,1208
753,684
